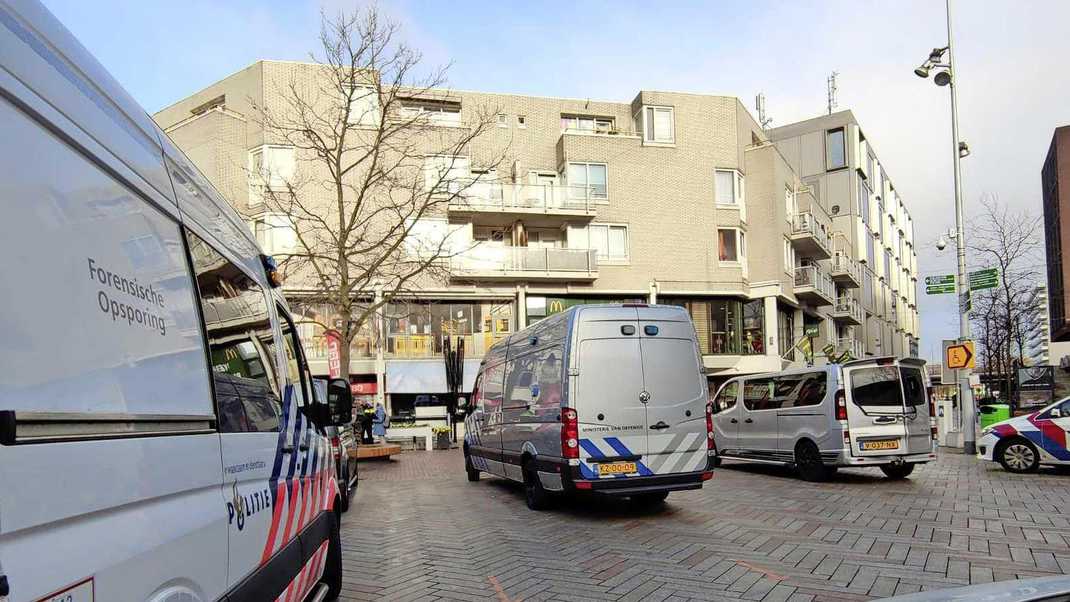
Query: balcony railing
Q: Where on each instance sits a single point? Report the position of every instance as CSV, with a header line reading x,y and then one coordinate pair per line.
x,y
851,345
814,238
846,271
525,262
814,285
526,198
848,309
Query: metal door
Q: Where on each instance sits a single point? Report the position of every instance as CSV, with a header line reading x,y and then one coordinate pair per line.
x,y
676,392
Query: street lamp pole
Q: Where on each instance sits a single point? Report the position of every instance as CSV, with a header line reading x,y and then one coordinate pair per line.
x,y
962,285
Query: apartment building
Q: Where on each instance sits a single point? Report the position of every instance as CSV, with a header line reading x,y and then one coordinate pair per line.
x,y
670,198
1055,189
1035,328
871,225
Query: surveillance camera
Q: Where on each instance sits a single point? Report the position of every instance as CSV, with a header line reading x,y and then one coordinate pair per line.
x,y
941,244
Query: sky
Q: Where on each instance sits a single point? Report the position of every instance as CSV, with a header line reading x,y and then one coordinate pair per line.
x,y
1010,60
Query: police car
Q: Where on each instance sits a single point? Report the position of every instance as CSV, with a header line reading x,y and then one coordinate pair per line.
x,y
159,436
1023,443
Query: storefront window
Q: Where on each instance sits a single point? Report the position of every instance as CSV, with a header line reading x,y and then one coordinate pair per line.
x,y
417,328
786,333
753,327
313,319
725,326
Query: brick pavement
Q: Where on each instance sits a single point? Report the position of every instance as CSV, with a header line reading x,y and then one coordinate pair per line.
x,y
419,531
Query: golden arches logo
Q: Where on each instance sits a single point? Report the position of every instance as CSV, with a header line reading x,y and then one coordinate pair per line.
x,y
557,306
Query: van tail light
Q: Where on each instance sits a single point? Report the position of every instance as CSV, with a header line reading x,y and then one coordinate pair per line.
x,y
841,405
933,430
932,408
847,437
336,445
709,427
570,434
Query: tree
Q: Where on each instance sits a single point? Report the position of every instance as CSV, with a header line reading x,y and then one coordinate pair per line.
x,y
1008,241
362,123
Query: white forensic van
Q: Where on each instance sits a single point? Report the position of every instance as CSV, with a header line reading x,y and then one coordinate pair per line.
x,y
609,399
158,437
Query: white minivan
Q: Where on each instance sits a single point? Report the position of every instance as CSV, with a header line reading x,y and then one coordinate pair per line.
x,y
609,399
869,412
159,439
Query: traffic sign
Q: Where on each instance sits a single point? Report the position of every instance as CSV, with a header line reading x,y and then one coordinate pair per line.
x,y
982,279
942,279
959,356
939,289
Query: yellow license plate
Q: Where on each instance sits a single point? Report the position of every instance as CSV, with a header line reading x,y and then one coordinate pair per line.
x,y
881,444
617,468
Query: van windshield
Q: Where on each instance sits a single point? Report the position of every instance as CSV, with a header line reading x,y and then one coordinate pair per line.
x,y
879,387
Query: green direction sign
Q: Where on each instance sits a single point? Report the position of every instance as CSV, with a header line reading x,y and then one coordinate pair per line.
x,y
940,280
939,289
983,279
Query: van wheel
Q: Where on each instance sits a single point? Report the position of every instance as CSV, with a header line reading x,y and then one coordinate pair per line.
x,y
1018,456
808,462
897,471
332,571
650,499
535,496
473,474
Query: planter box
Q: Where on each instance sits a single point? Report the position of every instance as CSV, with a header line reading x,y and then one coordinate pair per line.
x,y
442,440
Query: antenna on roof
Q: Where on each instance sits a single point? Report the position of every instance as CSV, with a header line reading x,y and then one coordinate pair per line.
x,y
759,105
832,91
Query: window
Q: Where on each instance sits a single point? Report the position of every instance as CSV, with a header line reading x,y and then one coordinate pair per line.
x,y
275,233
658,124
587,180
725,326
434,111
586,123
610,242
235,312
871,250
791,205
786,333
880,219
887,265
445,174
728,251
273,165
758,394
879,387
863,200
753,327
503,120
296,365
789,257
521,121
835,154
800,390
726,398
725,188
364,106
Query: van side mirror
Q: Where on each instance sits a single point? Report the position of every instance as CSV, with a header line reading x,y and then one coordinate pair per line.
x,y
339,402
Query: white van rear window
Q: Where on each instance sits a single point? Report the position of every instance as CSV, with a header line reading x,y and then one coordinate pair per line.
x,y
879,386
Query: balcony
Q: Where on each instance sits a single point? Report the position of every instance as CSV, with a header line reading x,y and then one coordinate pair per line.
x,y
848,311
810,237
845,271
495,202
524,263
813,286
850,345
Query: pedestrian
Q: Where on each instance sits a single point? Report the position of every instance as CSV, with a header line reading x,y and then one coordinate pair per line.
x,y
379,422
366,418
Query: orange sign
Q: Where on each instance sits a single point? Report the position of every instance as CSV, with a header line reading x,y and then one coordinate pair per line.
x,y
960,356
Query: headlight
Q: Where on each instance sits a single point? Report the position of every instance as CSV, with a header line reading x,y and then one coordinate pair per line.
x,y
986,431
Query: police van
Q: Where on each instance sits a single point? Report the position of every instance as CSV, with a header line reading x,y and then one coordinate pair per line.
x,y
868,412
159,439
610,399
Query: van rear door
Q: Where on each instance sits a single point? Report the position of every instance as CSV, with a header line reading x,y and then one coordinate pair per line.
x,y
608,393
887,408
676,391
